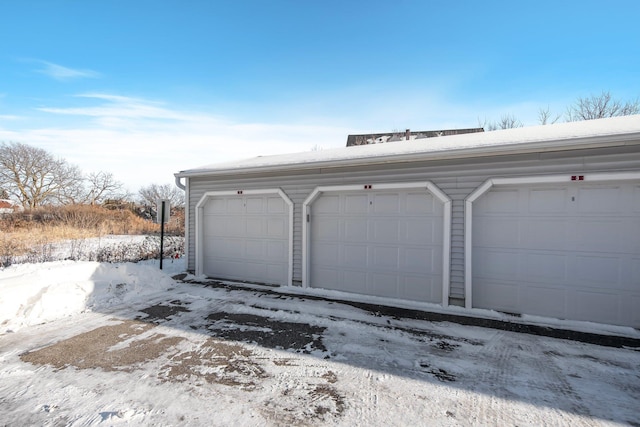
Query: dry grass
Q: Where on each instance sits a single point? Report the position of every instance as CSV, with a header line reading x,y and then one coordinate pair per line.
x,y
23,233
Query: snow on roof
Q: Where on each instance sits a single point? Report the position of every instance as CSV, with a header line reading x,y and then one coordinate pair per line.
x,y
560,136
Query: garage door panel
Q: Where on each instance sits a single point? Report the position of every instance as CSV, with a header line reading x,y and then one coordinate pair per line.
x,y
601,199
275,272
330,228
326,254
419,204
633,236
548,201
225,268
496,295
355,230
416,231
384,284
496,232
636,199
328,278
242,240
550,234
275,205
217,227
419,260
547,266
236,226
327,204
253,227
545,301
499,201
355,204
631,305
495,264
376,242
354,280
356,256
276,227
213,250
255,205
385,257
252,269
234,206
596,306
275,250
635,268
576,256
597,270
386,230
414,289
604,236
231,248
253,249
386,203
215,206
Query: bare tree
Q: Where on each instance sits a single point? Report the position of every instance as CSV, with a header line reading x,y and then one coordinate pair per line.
x,y
599,107
150,194
73,192
102,185
545,117
507,121
35,177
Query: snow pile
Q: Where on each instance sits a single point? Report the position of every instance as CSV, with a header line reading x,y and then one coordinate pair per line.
x,y
32,294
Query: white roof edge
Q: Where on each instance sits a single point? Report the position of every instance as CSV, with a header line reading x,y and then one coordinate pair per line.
x,y
618,131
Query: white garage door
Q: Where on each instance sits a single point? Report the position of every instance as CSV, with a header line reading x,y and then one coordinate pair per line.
x,y
246,237
569,251
382,243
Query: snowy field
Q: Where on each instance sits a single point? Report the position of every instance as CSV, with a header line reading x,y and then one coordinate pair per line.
x,y
87,343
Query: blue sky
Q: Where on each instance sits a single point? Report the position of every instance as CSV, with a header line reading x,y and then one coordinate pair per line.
x,y
144,89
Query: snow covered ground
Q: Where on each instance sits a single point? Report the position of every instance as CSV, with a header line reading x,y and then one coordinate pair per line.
x,y
108,248
85,343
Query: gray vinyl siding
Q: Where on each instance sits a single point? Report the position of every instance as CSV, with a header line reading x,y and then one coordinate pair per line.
x,y
456,178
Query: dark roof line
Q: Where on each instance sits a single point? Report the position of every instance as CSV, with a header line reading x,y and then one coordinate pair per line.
x,y
375,138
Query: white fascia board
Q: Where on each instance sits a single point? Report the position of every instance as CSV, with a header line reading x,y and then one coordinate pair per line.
x,y
526,180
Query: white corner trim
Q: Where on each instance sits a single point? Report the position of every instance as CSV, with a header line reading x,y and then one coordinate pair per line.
x,y
429,186
199,221
306,211
187,239
526,180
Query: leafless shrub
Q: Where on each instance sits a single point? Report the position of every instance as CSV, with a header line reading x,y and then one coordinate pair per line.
x,y
599,107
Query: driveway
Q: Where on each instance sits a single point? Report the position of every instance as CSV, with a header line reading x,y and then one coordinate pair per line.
x,y
218,354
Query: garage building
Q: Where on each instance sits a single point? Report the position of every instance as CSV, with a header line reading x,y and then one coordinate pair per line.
x,y
541,220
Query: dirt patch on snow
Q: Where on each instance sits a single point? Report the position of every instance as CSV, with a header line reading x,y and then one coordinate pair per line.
x,y
162,312
112,348
266,332
305,404
215,361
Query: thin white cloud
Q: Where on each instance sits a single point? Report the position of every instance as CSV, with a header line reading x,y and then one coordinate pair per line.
x,y
119,107
10,117
142,141
62,73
